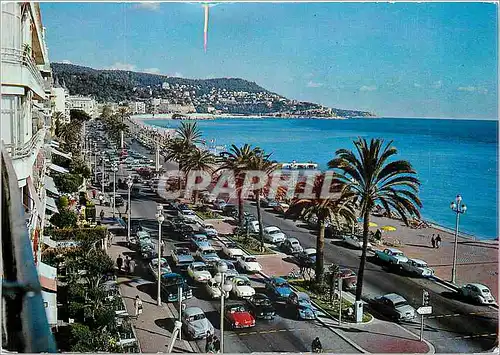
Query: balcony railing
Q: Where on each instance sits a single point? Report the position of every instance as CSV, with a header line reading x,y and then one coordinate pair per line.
x,y
27,148
17,56
26,326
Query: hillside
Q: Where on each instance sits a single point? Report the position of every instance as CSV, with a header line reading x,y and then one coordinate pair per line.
x,y
221,95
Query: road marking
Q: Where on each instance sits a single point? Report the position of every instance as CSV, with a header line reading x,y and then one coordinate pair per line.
x,y
265,332
460,314
467,337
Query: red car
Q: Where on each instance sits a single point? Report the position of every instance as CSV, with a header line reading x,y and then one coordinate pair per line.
x,y
238,316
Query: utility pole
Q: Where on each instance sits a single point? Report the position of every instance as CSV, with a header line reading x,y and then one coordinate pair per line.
x,y
425,303
339,283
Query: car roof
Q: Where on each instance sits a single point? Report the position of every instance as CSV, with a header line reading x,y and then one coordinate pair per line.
x,y
478,285
419,261
242,277
279,279
169,275
198,263
272,228
309,250
292,240
206,247
260,295
394,297
394,250
191,311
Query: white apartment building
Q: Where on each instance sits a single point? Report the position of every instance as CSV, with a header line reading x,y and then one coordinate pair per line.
x,y
137,107
87,104
60,100
26,118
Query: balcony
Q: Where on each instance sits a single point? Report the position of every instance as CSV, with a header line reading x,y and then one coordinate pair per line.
x,y
19,69
23,312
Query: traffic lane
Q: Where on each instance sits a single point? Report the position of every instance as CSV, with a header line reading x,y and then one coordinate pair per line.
x,y
378,281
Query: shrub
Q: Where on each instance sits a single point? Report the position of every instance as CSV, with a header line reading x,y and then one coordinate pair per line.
x,y
77,234
63,202
68,183
64,219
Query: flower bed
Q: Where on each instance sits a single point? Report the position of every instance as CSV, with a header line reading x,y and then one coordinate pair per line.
x,y
250,244
323,300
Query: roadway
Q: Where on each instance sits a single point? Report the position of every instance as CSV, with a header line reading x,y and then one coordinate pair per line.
x,y
454,326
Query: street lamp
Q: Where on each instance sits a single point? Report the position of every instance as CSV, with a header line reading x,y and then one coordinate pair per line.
x,y
115,169
225,288
458,208
129,208
95,162
103,171
160,218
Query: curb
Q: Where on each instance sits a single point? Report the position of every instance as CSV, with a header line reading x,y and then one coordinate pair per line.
x,y
342,336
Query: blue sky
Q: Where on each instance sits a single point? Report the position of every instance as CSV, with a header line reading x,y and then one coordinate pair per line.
x,y
403,60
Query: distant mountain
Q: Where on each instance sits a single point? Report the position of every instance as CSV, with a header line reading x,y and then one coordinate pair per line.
x,y
221,95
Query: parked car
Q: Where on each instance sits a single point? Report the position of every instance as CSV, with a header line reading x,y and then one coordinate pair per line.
x,y
307,258
238,316
164,267
230,210
198,271
170,284
253,226
301,305
260,306
232,250
231,269
219,204
242,287
349,279
189,216
391,255
274,235
393,306
249,263
119,201
209,230
278,287
182,257
417,267
199,240
291,246
213,289
477,292
148,251
272,203
354,242
281,207
207,254
195,324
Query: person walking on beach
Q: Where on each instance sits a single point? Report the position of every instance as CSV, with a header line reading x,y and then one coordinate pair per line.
x,y
433,241
119,262
138,306
438,241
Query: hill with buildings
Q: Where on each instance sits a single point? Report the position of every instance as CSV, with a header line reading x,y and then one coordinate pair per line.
x,y
165,94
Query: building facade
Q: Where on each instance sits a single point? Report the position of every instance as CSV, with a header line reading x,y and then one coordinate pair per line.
x,y
60,101
137,107
87,104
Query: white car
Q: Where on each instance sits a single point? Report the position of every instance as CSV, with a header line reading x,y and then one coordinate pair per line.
x,y
213,289
253,226
219,204
207,254
249,263
477,292
209,230
417,266
241,287
354,242
188,215
164,267
198,272
274,235
231,250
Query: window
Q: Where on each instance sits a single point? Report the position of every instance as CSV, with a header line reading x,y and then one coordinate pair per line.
x,y
46,304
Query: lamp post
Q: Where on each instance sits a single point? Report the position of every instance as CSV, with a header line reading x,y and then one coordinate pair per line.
x,y
129,184
225,288
95,162
160,218
103,172
458,207
115,169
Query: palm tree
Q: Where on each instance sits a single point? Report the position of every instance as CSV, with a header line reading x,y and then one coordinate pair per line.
x,y
123,112
189,133
236,160
259,161
199,160
335,211
178,150
372,179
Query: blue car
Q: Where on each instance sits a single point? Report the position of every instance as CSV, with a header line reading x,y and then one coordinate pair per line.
x,y
278,287
199,240
170,284
301,305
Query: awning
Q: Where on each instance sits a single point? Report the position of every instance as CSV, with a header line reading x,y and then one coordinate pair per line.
x,y
47,275
50,204
34,195
64,155
58,168
50,304
50,186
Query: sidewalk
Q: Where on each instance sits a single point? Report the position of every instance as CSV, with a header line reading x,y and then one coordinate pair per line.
x,y
154,326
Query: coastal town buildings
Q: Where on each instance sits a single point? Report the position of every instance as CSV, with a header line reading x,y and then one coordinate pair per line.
x,y
84,103
60,99
25,125
137,107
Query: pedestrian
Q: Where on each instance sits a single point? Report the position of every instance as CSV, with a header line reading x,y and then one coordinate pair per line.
x,y
94,193
119,262
101,214
162,247
433,241
126,207
120,214
209,343
216,343
127,263
138,306
132,266
438,241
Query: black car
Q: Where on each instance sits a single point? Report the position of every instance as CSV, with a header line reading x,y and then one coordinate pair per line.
x,y
230,210
260,306
119,201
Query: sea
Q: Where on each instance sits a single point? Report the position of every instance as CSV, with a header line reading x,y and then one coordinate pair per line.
x,y
450,156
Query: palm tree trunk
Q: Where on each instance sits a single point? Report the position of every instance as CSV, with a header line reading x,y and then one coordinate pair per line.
x,y
320,251
259,218
361,271
240,207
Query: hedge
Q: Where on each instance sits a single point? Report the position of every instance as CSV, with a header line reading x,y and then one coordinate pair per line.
x,y
77,234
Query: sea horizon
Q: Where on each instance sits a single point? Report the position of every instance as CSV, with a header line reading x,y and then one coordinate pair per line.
x,y
435,147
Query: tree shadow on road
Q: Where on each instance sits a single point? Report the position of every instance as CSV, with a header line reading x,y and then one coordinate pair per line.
x,y
150,289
